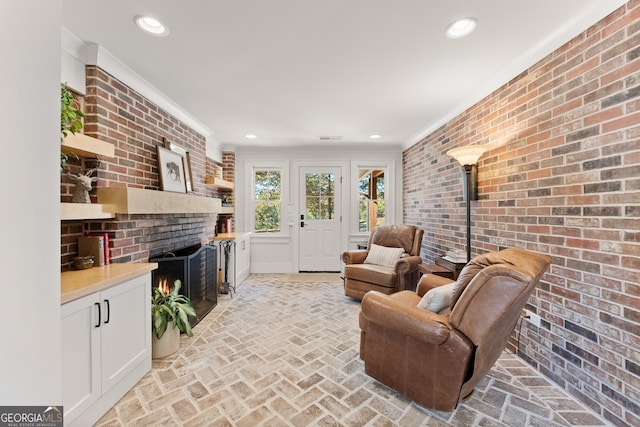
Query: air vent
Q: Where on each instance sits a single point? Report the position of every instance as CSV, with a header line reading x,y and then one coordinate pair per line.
x,y
331,138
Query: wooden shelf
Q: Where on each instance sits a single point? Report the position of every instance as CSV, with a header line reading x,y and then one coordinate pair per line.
x,y
141,201
70,211
228,210
87,146
212,181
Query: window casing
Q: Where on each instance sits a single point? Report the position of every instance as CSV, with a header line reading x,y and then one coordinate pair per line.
x,y
372,188
371,205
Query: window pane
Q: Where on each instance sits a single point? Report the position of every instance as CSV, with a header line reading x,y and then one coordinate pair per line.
x,y
326,207
371,207
267,185
267,201
267,216
313,208
327,184
312,182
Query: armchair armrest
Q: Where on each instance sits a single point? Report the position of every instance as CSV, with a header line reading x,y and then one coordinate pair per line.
x,y
430,281
407,272
407,264
355,256
406,319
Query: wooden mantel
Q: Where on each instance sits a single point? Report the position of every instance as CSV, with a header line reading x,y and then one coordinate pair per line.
x,y
141,201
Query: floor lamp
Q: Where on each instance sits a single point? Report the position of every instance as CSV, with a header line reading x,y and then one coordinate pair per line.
x,y
468,157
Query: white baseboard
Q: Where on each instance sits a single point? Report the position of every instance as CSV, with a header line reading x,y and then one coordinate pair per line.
x,y
283,267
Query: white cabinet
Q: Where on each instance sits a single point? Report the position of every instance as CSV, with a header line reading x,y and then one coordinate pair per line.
x,y
106,348
239,252
243,257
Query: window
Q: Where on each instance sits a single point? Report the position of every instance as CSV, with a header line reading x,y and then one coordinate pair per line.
x,y
267,200
371,205
320,193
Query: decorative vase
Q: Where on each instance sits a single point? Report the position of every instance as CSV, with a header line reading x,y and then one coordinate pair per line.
x,y
168,344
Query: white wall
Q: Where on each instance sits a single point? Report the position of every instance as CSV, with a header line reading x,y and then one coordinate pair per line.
x,y
30,250
279,254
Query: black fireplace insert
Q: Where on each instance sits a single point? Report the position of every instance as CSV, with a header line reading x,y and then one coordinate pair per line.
x,y
195,267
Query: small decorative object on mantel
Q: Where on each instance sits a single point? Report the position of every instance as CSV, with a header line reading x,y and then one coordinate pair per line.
x,y
171,170
83,182
186,158
83,262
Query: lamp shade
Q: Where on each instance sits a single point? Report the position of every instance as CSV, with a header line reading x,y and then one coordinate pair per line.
x,y
467,155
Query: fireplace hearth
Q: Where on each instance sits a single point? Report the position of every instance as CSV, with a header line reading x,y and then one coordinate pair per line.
x,y
195,267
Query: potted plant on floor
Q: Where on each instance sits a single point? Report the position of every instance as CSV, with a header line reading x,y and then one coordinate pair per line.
x,y
170,313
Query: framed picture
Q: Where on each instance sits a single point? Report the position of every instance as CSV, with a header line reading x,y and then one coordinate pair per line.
x,y
187,162
171,171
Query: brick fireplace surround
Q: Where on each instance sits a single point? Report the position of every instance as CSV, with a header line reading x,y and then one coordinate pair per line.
x,y
117,114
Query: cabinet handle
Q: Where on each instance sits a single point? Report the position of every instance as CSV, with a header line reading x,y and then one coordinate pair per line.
x,y
99,314
108,312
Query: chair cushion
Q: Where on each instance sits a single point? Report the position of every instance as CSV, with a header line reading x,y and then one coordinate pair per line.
x,y
371,273
382,255
438,298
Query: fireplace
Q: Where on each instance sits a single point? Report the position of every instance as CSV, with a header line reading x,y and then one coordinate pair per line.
x,y
195,267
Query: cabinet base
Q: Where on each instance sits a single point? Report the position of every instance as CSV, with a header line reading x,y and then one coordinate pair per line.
x,y
107,400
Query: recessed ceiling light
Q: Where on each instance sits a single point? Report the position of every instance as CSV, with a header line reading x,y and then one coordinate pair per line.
x,y
250,136
375,136
461,27
151,25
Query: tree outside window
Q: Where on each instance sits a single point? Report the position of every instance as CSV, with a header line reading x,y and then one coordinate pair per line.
x,y
267,201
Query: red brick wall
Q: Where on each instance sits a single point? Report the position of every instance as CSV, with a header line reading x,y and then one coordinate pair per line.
x,y
564,180
117,114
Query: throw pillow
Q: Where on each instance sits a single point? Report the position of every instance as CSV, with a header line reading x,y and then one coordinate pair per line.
x,y
381,255
437,299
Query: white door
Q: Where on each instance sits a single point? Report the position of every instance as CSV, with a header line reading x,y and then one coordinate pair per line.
x,y
319,219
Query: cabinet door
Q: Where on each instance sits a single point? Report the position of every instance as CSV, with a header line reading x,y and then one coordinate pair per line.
x,y
243,257
81,379
126,329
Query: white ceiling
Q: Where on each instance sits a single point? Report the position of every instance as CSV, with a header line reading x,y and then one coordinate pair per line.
x,y
291,71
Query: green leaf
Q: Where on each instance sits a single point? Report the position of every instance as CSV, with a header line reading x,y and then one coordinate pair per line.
x,y
171,307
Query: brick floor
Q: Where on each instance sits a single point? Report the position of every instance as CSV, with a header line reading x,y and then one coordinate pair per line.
x,y
283,351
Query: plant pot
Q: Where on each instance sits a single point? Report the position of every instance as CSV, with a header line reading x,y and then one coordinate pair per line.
x,y
168,344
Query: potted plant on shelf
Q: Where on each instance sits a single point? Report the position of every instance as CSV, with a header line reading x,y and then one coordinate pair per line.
x,y
170,313
70,119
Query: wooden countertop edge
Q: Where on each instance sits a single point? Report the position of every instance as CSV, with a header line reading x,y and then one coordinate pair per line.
x,y
230,236
79,283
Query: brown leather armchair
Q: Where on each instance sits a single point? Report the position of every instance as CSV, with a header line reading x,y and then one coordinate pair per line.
x,y
437,358
361,277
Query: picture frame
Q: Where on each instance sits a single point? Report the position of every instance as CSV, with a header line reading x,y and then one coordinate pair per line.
x,y
187,162
171,171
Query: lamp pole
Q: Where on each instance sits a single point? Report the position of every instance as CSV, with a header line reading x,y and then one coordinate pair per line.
x,y
467,171
468,157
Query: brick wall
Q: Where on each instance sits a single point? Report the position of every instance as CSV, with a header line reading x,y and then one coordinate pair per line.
x,y
117,114
228,174
564,180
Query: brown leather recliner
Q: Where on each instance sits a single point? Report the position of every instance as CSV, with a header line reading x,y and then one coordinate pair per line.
x,y
436,359
361,277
